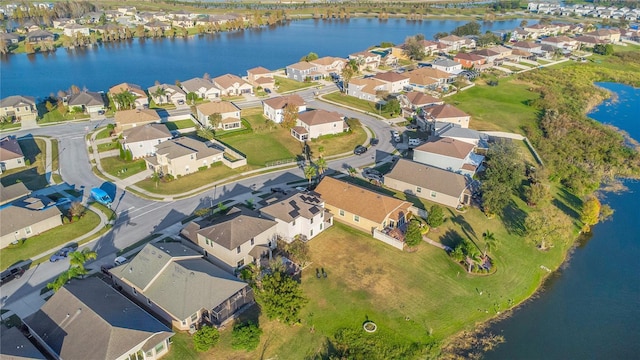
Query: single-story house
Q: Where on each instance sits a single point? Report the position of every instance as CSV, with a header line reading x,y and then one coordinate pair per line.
x,y
182,156
161,270
40,35
315,123
560,42
454,131
236,239
229,114
416,100
10,38
366,89
448,113
489,55
393,81
361,208
12,192
26,222
90,102
142,140
203,88
71,30
19,107
273,108
89,319
299,214
11,155
232,85
126,119
447,65
301,71
169,94
430,183
261,77
141,99
449,154
15,346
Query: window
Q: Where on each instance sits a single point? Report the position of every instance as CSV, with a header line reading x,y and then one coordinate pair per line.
x,y
252,241
311,233
191,156
27,230
160,347
240,263
356,218
433,194
135,292
194,317
238,250
149,302
311,220
321,226
341,212
418,189
294,222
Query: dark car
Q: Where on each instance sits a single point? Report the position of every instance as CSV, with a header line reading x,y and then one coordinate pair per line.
x,y
11,274
268,91
374,141
371,173
359,150
60,254
279,190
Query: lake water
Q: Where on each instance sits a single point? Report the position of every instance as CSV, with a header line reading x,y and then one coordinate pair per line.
x,y
144,61
590,309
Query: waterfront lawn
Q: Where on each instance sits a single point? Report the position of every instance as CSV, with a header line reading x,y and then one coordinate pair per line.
x,y
285,85
180,124
360,104
49,240
505,107
115,166
33,175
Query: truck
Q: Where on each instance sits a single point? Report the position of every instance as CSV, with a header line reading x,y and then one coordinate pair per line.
x,y
101,196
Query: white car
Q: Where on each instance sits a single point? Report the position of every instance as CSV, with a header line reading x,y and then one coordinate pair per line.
x,y
120,260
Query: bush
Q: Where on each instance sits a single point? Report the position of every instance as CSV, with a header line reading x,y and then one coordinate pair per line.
x,y
27,162
205,338
202,168
245,336
435,217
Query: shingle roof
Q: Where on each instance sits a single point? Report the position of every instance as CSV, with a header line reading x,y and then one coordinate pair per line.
x,y
136,116
445,111
526,45
296,205
228,80
259,70
317,117
420,99
86,98
359,201
451,38
12,192
88,319
219,107
326,60
302,65
10,148
428,177
170,89
132,88
486,53
146,132
236,228
468,56
22,217
17,100
369,85
445,62
430,72
193,85
184,146
280,102
391,76
447,147
15,346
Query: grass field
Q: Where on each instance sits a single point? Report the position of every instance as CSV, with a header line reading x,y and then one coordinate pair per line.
x,y
180,124
191,181
364,105
113,145
10,126
32,175
103,133
286,85
120,168
55,116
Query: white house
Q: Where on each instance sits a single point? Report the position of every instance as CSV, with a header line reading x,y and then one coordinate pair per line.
x,y
205,89
393,81
142,140
315,123
299,214
273,108
229,114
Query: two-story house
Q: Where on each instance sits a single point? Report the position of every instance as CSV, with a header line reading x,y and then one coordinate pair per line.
x,y
366,89
126,119
449,154
302,71
299,214
447,113
182,156
141,99
11,155
141,141
447,65
229,114
393,81
167,94
232,85
18,108
203,88
261,77
469,60
328,65
273,108
315,123
366,60
457,43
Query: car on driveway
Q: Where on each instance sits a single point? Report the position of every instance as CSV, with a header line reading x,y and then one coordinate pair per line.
x,y
359,150
60,254
279,190
120,260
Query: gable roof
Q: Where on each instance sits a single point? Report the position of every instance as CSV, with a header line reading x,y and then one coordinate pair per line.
x,y
12,192
451,38
182,146
429,72
318,117
391,76
369,85
10,148
429,177
359,201
170,89
486,53
15,346
526,45
326,60
468,56
445,111
302,65
219,107
294,206
280,102
88,319
86,98
17,100
447,147
445,62
132,88
21,217
193,85
228,80
420,99
236,228
259,70
135,116
146,132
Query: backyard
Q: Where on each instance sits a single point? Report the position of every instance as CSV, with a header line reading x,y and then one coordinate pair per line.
x,y
285,85
364,105
180,124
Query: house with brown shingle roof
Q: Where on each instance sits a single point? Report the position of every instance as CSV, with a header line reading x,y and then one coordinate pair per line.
x,y
141,99
447,113
393,81
361,208
529,46
427,77
456,43
90,102
302,71
449,154
300,213
366,60
126,119
273,108
414,100
606,35
560,42
11,155
366,89
141,141
469,60
315,123
182,156
329,64
430,183
230,114
232,85
12,192
261,77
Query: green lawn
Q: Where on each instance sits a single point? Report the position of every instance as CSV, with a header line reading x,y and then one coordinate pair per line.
x,y
50,240
9,125
180,124
503,107
33,175
120,168
364,105
55,116
103,133
286,85
113,145
55,155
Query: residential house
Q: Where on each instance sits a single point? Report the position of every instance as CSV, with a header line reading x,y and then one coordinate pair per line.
x,y
610,36
453,131
141,141
12,192
89,319
470,60
518,54
90,102
299,214
261,77
126,119
203,88
447,65
232,85
501,50
303,71
27,220
236,239
393,82
11,155
361,208
161,270
560,42
449,154
588,41
182,156
448,113
229,114
157,26
520,35
329,65
315,123
273,108
366,60
540,30
39,35
71,30
430,48
430,183
529,46
415,100
457,43
366,89
10,38
422,79
170,94
489,55
141,99
18,107
15,346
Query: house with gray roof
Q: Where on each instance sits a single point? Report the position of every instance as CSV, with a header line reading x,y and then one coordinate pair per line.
x,y
456,132
430,183
204,88
447,65
236,239
175,283
182,156
299,214
28,218
90,102
11,155
88,319
12,192
449,154
18,107
15,346
142,140
167,94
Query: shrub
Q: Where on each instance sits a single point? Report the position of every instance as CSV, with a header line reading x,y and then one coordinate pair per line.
x,y
202,168
245,336
435,217
205,338
27,162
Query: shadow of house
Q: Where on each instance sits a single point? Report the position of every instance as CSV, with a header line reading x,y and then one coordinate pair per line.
x,y
513,219
30,148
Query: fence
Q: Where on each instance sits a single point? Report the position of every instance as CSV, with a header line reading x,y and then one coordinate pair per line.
x,y
280,162
377,234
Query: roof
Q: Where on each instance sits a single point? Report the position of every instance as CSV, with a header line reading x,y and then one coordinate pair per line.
x,y
182,146
469,57
86,98
327,60
369,85
526,45
558,39
136,116
17,100
195,84
281,101
236,228
359,201
428,177
451,38
219,107
132,88
318,117
364,54
430,72
302,65
170,89
22,217
419,99
294,206
391,76
146,132
445,111
228,80
421,78
589,39
445,62
15,346
39,33
12,192
486,53
454,130
447,147
178,279
10,149
88,319
259,70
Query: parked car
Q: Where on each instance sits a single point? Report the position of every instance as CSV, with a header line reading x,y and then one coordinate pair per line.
x,y
412,126
359,150
278,190
395,133
11,274
374,141
301,188
414,142
120,260
267,90
369,173
60,254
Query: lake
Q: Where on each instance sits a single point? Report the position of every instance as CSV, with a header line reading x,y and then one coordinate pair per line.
x,y
591,308
144,61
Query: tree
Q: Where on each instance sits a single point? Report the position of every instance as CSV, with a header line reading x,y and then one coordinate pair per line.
x,y
435,217
77,259
352,171
28,48
245,336
503,176
205,338
413,48
546,226
392,106
536,193
603,49
440,35
523,23
76,209
159,93
155,177
215,119
289,115
347,73
281,297
590,213
413,236
321,164
310,57
470,28
124,100
192,97
489,242
205,133
310,172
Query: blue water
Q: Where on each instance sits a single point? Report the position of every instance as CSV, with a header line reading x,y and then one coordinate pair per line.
x,y
591,309
144,61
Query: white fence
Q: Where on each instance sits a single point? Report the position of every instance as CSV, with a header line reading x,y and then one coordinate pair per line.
x,y
388,239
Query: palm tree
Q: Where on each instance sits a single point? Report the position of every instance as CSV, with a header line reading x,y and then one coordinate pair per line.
x,y
155,177
352,171
321,164
77,259
160,94
309,172
490,242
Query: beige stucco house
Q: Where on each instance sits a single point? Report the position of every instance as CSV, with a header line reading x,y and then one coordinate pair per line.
x,y
127,119
315,123
142,140
393,81
232,85
141,100
298,214
365,89
18,107
90,102
329,64
273,108
448,113
11,155
26,222
203,88
366,60
449,154
261,77
229,113
172,94
182,156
